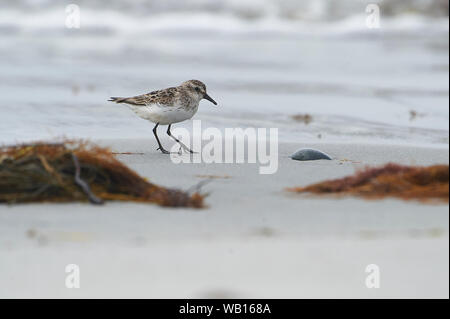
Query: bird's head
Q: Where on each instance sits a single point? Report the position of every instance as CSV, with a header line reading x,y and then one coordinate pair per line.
x,y
197,90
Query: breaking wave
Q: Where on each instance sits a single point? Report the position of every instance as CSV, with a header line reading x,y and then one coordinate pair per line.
x,y
114,16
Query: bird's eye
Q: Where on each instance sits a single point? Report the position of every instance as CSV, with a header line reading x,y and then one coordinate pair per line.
x,y
197,89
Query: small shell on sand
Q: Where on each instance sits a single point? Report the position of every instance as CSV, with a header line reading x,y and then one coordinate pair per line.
x,y
309,154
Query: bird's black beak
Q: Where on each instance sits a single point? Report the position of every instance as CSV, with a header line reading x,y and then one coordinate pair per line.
x,y
207,97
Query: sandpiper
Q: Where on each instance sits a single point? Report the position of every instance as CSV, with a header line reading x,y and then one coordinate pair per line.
x,y
168,106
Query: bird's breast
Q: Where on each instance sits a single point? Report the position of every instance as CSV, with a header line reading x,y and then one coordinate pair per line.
x,y
165,114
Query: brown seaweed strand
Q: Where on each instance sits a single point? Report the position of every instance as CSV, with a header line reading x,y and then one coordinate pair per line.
x,y
83,185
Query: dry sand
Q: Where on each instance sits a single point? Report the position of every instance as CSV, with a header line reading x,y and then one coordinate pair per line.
x,y
254,240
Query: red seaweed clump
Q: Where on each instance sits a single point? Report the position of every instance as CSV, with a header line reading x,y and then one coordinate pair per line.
x,y
392,180
78,171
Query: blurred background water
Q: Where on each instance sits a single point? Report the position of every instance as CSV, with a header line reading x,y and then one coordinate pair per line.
x,y
268,63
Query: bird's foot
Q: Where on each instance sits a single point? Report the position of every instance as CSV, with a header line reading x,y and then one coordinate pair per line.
x,y
162,150
187,149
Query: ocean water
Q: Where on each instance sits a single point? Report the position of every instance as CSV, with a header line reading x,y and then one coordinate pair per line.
x,y
263,61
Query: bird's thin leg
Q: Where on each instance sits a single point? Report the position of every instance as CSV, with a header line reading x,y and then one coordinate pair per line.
x,y
161,148
178,141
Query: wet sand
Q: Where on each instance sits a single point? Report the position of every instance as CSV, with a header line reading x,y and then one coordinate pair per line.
x,y
253,240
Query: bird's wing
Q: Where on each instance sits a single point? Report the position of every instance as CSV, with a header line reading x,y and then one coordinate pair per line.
x,y
164,97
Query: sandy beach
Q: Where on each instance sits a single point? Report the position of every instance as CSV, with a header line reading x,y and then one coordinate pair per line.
x,y
319,72
253,241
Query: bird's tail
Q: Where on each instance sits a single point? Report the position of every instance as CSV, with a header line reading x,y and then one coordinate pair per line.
x,y
117,99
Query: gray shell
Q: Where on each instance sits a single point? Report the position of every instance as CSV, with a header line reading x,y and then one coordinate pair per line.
x,y
308,154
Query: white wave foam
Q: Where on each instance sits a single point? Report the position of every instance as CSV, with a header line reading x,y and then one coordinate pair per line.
x,y
191,22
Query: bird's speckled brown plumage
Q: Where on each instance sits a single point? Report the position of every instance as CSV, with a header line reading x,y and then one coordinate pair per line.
x,y
166,97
